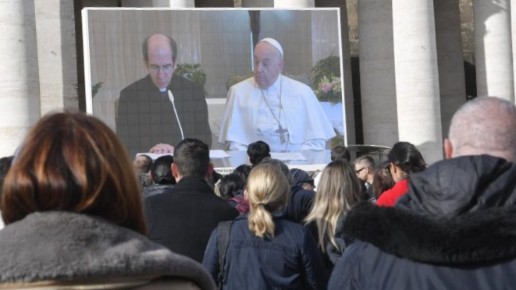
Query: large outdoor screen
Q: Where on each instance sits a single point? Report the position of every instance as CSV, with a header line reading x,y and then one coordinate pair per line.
x,y
214,52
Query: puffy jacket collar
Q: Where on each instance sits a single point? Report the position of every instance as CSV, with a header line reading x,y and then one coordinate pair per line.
x,y
485,236
458,211
464,184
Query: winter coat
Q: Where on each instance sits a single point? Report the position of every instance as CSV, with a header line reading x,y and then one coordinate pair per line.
x,y
455,229
183,218
63,247
290,260
391,196
156,189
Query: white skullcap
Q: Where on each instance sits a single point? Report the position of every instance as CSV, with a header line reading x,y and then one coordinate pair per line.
x,y
274,43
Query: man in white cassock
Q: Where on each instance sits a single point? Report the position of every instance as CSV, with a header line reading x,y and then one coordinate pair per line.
x,y
273,108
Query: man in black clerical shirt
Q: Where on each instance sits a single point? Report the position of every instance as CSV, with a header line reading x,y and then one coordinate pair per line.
x,y
145,111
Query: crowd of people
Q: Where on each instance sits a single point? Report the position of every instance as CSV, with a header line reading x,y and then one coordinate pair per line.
x,y
80,214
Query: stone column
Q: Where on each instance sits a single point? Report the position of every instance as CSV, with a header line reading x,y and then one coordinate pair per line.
x,y
417,78
57,66
452,83
377,80
19,80
493,49
349,109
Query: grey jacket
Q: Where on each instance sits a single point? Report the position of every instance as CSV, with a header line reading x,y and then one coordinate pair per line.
x,y
63,246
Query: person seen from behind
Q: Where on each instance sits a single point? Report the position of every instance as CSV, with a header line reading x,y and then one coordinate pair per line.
x,y
265,250
454,229
183,217
338,192
161,174
404,159
74,216
229,187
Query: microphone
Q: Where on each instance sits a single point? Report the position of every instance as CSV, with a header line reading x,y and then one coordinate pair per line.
x,y
171,98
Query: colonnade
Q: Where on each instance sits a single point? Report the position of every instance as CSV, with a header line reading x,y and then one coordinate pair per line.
x,y
411,64
412,72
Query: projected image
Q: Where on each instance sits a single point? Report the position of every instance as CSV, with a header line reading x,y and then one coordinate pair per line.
x,y
228,77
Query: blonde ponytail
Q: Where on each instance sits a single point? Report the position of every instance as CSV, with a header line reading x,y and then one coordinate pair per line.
x,y
267,190
260,222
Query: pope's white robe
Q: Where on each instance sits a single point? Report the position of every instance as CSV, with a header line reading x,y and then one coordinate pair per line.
x,y
247,117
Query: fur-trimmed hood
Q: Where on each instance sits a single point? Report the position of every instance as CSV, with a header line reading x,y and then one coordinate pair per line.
x,y
458,211
68,246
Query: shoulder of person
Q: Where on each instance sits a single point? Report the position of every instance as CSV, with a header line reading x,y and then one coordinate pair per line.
x,y
144,83
244,84
181,82
295,83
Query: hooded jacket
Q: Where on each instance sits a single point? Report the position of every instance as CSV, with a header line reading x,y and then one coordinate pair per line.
x,y
455,229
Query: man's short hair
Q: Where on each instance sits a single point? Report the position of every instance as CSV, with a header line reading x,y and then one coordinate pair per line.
x,y
485,125
171,41
340,153
192,157
368,160
258,151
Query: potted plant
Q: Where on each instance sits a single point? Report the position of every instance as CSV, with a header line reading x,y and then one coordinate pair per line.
x,y
326,83
192,72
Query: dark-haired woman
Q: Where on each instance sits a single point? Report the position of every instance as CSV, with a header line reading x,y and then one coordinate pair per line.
x,y
74,217
404,160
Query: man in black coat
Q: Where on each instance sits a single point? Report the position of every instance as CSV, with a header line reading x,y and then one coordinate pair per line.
x,y
145,111
455,228
183,218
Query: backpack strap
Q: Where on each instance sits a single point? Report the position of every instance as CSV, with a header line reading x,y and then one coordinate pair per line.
x,y
223,231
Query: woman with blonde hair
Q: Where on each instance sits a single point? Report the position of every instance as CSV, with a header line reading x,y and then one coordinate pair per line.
x,y
265,250
74,216
338,191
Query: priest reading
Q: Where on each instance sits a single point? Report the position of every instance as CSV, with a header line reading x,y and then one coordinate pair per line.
x,y
273,108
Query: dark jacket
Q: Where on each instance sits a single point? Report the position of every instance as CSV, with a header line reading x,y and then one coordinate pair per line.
x,y
182,219
454,229
299,203
145,117
156,189
78,249
289,261
331,254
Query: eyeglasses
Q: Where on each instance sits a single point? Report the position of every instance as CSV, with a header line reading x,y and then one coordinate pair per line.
x,y
163,68
358,171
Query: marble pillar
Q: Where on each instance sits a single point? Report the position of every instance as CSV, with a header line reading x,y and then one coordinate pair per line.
x,y
19,77
417,77
57,64
493,49
377,80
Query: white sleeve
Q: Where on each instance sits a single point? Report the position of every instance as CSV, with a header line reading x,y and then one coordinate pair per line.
x,y
236,146
313,145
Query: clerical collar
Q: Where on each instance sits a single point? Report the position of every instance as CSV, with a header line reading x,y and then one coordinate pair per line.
x,y
162,90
